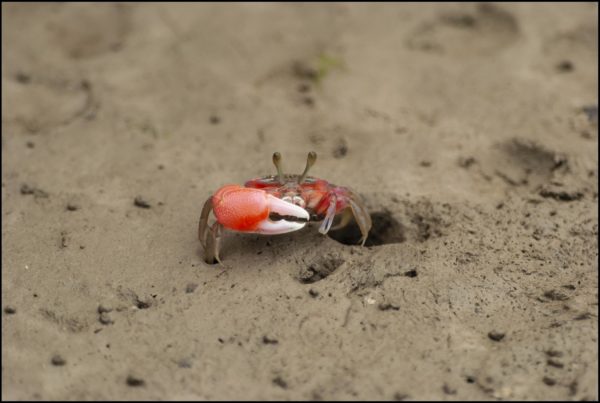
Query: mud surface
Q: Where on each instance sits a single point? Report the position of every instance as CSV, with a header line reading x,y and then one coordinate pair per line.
x,y
469,130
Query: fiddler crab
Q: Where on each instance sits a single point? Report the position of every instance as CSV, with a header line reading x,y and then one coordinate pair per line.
x,y
278,204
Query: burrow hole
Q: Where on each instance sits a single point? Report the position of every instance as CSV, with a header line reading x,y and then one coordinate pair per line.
x,y
385,230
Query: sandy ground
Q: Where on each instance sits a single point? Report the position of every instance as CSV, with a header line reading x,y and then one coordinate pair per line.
x,y
469,130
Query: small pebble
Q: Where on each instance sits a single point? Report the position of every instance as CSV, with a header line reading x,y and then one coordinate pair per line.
x,y
565,66
134,381
57,360
105,319
10,310
495,335
104,309
190,288
139,202
280,382
185,363
267,340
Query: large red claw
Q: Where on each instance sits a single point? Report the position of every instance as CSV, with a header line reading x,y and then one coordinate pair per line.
x,y
247,210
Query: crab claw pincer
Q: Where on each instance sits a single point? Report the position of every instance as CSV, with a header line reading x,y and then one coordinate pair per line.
x,y
249,210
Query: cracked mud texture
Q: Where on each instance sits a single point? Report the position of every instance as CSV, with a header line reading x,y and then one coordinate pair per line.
x,y
474,150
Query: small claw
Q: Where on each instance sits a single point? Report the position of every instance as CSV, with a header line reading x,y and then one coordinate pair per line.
x,y
284,208
269,227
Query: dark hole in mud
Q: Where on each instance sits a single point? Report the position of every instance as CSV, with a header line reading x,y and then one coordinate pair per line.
x,y
319,269
385,230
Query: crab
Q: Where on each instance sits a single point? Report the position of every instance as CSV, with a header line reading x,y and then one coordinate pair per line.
x,y
279,204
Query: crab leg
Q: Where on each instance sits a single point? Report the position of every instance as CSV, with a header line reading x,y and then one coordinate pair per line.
x,y
329,216
214,244
203,224
362,217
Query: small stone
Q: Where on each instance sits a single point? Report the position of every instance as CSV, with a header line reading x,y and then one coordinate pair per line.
x,y
411,273
549,381
565,66
303,88
72,207
308,101
57,360
105,319
554,353
495,335
388,306
185,363
555,295
267,340
592,113
23,78
400,396
466,162
190,288
555,363
313,293
139,202
135,381
10,310
37,193
280,382
104,309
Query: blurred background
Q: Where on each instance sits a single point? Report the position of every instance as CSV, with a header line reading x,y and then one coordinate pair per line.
x,y
469,129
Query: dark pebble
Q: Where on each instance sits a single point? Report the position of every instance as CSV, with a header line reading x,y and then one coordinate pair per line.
x,y
105,319
411,273
267,340
496,336
135,381
185,363
10,310
57,360
190,288
565,66
139,202
280,382
104,309
23,78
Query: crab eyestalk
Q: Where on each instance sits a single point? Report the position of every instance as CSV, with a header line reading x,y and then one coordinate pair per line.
x,y
277,163
310,161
